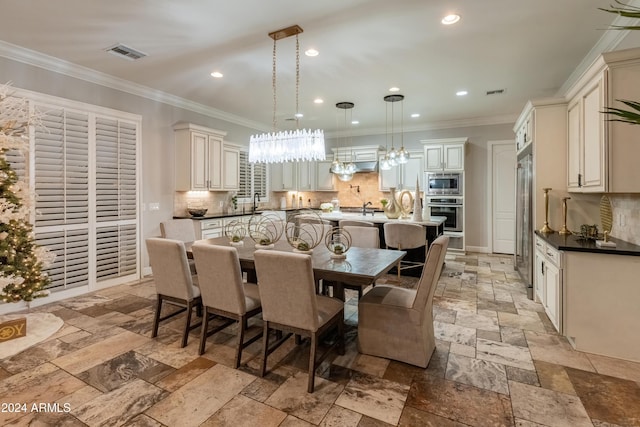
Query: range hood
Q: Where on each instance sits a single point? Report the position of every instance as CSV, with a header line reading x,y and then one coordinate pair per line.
x,y
369,166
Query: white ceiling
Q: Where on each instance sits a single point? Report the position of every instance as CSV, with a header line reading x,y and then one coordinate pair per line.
x,y
527,47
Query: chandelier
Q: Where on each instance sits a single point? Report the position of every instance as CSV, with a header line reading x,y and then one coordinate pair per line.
x,y
392,157
293,145
344,170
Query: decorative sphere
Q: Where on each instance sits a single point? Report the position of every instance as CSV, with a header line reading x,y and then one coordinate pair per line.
x,y
265,229
304,230
235,231
338,241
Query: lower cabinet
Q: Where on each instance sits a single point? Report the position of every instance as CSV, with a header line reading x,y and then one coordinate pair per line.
x,y
548,281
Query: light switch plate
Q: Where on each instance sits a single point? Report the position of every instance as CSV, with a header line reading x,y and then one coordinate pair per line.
x,y
154,206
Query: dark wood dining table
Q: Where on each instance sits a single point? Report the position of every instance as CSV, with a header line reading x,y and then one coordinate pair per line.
x,y
361,267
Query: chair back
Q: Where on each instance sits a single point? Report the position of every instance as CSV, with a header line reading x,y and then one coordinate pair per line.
x,y
178,229
363,237
287,289
349,222
170,267
220,277
430,275
404,236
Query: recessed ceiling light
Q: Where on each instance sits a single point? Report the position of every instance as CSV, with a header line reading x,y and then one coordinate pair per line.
x,y
311,52
299,115
415,115
318,101
217,74
450,19
394,89
355,122
461,92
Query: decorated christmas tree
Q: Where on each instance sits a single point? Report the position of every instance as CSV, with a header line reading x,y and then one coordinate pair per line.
x,y
21,260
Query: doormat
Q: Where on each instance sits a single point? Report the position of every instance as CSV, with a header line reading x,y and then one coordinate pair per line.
x,y
40,326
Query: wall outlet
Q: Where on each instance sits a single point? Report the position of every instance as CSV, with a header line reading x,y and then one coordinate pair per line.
x,y
221,204
154,206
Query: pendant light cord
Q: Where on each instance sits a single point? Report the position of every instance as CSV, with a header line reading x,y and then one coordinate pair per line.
x,y
273,85
297,116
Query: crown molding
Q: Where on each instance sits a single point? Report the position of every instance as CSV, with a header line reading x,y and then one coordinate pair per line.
x,y
608,42
56,65
444,124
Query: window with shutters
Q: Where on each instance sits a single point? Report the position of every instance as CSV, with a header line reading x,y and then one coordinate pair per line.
x,y
83,167
253,179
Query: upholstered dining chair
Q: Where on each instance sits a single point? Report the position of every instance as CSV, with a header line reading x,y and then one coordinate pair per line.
x,y
224,294
397,323
361,237
357,223
403,236
174,282
290,305
180,229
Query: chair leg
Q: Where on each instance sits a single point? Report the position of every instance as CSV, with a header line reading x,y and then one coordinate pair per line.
x,y
265,347
203,333
398,267
187,324
312,362
341,345
156,318
298,339
242,325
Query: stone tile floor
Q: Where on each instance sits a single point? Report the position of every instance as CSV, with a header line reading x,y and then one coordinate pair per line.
x,y
498,362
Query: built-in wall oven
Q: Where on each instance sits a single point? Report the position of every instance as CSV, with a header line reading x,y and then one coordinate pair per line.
x,y
450,208
444,184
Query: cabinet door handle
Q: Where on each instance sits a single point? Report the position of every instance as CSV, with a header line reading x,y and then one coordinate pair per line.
x,y
542,268
579,180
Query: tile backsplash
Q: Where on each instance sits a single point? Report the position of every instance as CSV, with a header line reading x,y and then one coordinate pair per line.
x,y
216,202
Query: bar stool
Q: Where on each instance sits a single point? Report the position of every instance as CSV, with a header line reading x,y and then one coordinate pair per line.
x,y
403,236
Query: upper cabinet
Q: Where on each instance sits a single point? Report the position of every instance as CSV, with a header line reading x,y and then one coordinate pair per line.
x,y
403,176
199,158
602,154
302,176
442,155
230,167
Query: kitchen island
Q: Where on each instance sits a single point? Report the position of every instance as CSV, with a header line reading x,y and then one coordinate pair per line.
x,y
434,226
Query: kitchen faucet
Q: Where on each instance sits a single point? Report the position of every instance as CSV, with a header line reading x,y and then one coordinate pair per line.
x,y
255,205
364,208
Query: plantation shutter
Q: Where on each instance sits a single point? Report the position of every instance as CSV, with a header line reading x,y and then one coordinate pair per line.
x,y
260,179
61,184
116,202
253,178
244,190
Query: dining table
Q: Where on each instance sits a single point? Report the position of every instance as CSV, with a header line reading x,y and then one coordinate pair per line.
x,y
361,266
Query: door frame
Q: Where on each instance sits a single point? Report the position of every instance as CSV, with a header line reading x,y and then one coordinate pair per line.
x,y
490,147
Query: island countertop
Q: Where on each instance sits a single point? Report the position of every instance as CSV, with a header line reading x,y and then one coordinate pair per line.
x,y
380,218
573,243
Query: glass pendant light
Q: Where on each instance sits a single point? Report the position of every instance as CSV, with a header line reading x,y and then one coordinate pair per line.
x,y
393,154
385,164
347,169
403,155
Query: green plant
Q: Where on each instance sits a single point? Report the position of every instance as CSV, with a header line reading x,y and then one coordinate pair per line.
x,y
625,116
236,238
265,241
303,246
384,203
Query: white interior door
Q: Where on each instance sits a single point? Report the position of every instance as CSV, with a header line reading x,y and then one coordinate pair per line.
x,y
503,204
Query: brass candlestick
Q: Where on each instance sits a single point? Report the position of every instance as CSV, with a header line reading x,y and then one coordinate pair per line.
x,y
564,231
545,228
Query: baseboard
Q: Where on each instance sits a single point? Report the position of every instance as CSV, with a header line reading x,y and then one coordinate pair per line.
x,y
478,249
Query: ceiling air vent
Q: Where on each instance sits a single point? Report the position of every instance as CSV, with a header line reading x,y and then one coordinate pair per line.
x,y
495,92
126,52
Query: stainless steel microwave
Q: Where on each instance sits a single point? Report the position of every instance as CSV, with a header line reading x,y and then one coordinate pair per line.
x,y
439,183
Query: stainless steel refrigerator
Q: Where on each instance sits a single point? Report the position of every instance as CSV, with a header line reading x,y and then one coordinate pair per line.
x,y
524,219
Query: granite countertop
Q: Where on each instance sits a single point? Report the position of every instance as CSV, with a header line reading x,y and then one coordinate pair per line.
x,y
572,243
379,217
212,216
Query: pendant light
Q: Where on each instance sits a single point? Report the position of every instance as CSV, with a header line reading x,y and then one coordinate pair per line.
x,y
403,155
392,155
385,164
348,168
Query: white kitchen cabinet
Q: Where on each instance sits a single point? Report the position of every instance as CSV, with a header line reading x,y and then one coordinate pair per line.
x,y
208,228
403,177
306,176
524,133
295,176
602,154
443,155
230,167
324,177
548,281
198,158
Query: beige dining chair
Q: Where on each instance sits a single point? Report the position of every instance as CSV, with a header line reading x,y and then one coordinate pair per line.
x,y
361,237
180,229
224,294
397,323
354,222
403,236
290,305
174,282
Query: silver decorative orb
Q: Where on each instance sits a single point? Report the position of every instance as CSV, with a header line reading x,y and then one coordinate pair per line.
x,y
235,231
265,229
338,241
304,230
